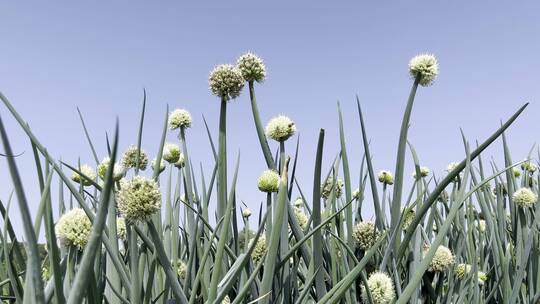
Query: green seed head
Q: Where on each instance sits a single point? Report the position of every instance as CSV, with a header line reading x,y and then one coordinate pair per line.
x,y
462,270
129,159
171,153
529,166
86,171
365,235
524,198
424,172
408,217
386,177
269,181
329,185
226,81
179,119
424,67
73,229
138,199
280,128
442,259
260,249
301,217
252,67
118,170
181,161
516,172
381,287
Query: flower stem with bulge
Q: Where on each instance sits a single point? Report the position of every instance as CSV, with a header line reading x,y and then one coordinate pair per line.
x,y
260,131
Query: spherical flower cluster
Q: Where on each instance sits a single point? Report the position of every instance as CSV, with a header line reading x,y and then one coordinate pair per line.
x,y
118,170
268,181
299,202
462,270
171,153
425,68
481,224
524,198
73,229
260,249
528,166
181,161
179,119
424,172
138,199
442,259
516,172
86,171
386,177
301,217
161,165
226,81
381,288
365,234
121,231
129,159
181,269
280,128
252,67
408,217
246,213
329,185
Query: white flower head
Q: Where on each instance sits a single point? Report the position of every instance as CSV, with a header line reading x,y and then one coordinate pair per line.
x,y
268,181
171,153
73,229
129,159
138,199
179,118
87,179
524,198
226,81
381,288
442,259
386,177
280,128
425,68
118,170
252,67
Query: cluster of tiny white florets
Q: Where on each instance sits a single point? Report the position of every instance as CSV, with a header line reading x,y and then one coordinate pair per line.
x,y
268,181
365,234
138,199
386,177
442,259
329,185
528,166
357,194
381,288
481,225
161,165
73,229
246,213
260,249
408,217
424,68
299,202
424,172
181,268
86,171
462,270
121,230
451,167
226,81
171,153
252,67
179,118
524,197
301,217
129,159
118,170
280,128
516,172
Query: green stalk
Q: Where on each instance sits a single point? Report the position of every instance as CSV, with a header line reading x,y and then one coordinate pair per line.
x,y
400,159
320,286
260,130
222,160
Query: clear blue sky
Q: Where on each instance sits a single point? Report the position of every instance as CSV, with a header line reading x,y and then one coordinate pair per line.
x,y
98,56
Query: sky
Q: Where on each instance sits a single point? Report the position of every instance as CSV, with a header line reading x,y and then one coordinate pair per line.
x,y
100,55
